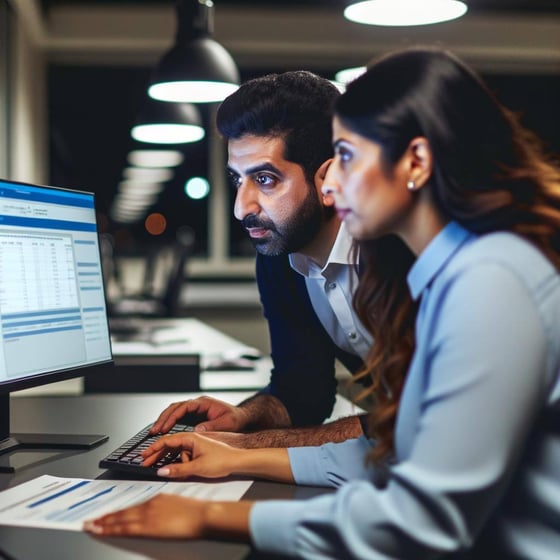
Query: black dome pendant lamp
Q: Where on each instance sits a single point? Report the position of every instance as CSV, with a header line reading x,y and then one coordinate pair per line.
x,y
197,69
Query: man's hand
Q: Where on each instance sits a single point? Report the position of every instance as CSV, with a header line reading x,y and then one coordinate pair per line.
x,y
221,416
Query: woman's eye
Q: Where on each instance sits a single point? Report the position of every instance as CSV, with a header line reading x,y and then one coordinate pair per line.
x,y
344,154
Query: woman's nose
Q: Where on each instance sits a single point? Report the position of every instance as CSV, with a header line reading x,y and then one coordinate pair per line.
x,y
330,184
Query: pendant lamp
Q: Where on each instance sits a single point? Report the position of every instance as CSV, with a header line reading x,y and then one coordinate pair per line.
x,y
404,12
168,123
197,69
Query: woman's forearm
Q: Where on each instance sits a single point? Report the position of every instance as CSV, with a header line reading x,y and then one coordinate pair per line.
x,y
269,463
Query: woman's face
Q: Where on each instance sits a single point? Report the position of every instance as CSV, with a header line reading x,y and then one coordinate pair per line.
x,y
372,199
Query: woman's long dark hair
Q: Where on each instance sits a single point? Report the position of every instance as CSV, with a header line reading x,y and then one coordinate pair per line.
x,y
489,173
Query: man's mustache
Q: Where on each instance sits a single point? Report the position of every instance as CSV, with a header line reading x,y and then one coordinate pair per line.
x,y
253,221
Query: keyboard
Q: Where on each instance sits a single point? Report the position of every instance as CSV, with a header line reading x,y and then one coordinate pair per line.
x,y
128,459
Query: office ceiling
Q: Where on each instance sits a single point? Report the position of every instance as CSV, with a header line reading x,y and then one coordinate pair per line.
x,y
101,54
527,6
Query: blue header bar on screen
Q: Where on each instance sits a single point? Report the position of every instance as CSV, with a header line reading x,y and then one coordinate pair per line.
x,y
45,223
50,196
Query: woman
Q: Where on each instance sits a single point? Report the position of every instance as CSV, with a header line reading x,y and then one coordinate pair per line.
x,y
447,194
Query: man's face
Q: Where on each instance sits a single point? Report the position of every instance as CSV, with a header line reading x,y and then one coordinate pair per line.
x,y
279,209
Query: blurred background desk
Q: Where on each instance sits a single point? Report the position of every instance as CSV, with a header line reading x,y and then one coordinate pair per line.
x,y
191,336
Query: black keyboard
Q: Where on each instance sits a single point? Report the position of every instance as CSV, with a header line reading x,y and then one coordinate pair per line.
x,y
128,459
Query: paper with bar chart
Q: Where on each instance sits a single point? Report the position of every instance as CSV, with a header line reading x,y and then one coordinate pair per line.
x,y
65,503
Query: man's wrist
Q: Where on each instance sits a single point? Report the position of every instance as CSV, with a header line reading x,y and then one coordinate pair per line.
x,y
264,411
244,419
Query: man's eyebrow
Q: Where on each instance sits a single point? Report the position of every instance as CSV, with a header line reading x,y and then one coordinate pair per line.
x,y
263,167
256,169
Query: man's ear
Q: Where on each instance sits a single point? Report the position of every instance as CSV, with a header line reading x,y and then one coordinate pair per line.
x,y
320,175
420,161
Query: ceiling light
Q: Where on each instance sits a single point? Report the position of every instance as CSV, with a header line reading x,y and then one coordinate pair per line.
x,y
154,174
404,12
338,85
132,212
167,133
135,201
348,74
168,123
125,217
155,158
197,69
139,187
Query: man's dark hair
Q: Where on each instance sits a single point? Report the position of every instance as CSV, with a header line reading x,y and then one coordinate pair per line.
x,y
296,106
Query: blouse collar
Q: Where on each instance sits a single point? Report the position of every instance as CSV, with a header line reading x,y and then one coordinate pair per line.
x,y
435,256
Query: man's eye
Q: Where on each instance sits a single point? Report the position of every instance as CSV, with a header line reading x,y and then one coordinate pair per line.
x,y
264,180
234,180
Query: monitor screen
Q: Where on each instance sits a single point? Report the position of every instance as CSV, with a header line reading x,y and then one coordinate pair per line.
x,y
53,317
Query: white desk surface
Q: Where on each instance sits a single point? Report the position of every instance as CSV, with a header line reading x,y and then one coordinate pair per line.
x,y
189,335
182,335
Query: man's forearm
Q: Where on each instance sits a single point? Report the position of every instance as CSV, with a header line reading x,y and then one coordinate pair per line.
x,y
265,412
331,432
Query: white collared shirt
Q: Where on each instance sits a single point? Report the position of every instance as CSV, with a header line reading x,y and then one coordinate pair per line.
x,y
330,290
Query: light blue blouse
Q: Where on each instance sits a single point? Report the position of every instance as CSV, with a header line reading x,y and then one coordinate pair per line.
x,y
478,429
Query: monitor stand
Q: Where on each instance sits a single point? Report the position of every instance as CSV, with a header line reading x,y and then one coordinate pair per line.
x,y
16,442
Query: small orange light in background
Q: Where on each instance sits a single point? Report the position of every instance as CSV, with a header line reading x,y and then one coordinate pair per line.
x,y
155,223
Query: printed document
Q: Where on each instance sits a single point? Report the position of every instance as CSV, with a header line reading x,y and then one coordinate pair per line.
x,y
65,503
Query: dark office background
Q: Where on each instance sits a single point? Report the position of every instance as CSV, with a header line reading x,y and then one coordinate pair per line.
x,y
92,108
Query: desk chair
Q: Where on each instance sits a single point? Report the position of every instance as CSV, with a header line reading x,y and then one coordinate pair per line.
x,y
167,303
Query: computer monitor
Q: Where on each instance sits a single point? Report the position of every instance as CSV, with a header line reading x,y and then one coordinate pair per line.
x,y
53,317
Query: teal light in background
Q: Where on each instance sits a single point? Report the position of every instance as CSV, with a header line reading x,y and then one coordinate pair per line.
x,y
197,188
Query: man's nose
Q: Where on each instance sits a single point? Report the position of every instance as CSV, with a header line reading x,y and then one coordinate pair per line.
x,y
245,201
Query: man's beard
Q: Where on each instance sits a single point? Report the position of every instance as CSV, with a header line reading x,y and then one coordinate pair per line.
x,y
293,235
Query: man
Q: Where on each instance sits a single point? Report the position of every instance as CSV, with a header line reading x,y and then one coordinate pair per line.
x,y
278,129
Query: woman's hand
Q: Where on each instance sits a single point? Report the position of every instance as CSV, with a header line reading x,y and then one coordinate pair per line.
x,y
200,456
208,458
164,516
172,517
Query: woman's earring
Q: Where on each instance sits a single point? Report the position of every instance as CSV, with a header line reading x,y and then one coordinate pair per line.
x,y
327,190
411,185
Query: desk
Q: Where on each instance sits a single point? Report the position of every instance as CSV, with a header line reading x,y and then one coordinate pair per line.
x,y
119,416
191,336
